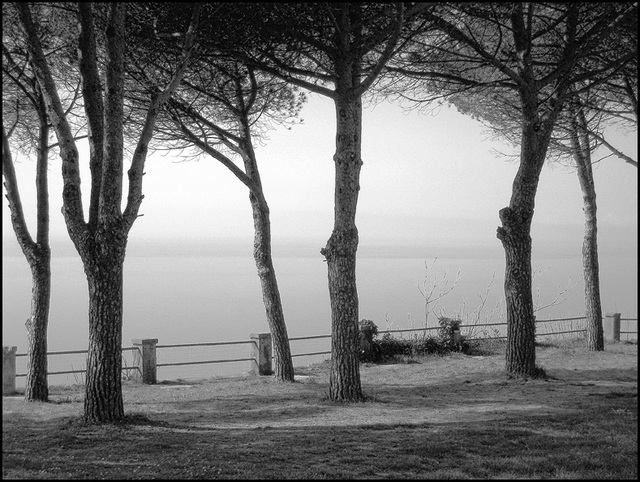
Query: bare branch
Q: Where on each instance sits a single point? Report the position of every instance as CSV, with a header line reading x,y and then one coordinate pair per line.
x,y
13,196
137,164
68,150
429,293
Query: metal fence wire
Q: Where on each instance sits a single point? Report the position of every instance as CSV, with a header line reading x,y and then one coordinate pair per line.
x,y
233,357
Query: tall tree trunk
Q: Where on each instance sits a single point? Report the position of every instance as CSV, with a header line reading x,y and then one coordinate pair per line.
x,y
591,271
515,234
340,253
270,293
590,265
101,243
38,255
40,262
37,387
284,371
516,240
103,386
539,112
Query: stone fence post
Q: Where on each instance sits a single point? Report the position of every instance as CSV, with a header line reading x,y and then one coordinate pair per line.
x,y
611,326
9,370
456,337
261,353
144,358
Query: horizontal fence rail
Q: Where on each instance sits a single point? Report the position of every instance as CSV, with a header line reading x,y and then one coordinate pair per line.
x,y
205,362
73,352
629,332
144,356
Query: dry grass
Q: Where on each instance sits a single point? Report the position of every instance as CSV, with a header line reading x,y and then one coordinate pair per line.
x,y
445,417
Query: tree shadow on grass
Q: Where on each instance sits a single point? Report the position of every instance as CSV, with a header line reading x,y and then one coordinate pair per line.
x,y
475,395
480,394
562,445
464,423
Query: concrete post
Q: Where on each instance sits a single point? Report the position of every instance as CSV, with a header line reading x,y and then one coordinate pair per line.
x,y
9,370
144,358
261,353
611,326
457,338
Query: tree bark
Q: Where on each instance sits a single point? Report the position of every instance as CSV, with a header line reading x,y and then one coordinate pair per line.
x,y
270,294
250,177
37,387
284,371
103,263
515,235
340,254
516,240
590,264
38,255
591,271
101,243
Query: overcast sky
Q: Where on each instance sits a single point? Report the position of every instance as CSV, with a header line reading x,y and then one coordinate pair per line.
x,y
427,178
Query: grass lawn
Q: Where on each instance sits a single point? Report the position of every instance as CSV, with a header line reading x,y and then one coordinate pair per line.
x,y
437,417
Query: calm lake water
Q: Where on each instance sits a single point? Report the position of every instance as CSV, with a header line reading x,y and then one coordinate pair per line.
x,y
218,298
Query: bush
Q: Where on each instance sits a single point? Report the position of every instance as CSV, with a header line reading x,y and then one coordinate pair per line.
x,y
369,349
368,328
449,335
390,346
426,345
375,351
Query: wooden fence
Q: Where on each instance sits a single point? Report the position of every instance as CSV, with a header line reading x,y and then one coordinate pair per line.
x,y
145,360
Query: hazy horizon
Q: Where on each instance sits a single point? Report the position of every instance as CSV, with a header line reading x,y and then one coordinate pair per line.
x,y
190,292
431,180
549,241
431,186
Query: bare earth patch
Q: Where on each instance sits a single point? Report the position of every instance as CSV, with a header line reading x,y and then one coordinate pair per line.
x,y
258,428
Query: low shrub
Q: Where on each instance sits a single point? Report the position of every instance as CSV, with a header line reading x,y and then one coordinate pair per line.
x,y
449,335
374,350
369,349
390,346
